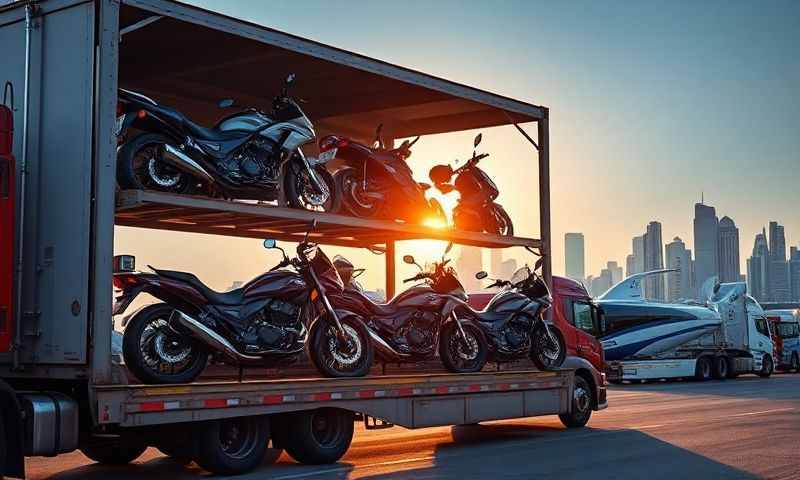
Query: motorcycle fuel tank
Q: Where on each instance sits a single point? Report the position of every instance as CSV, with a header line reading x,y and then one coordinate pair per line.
x,y
244,121
278,284
419,297
508,302
476,182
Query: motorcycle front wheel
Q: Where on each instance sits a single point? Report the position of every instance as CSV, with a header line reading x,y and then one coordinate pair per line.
x,y
547,353
300,190
335,356
502,222
155,354
353,199
140,167
463,355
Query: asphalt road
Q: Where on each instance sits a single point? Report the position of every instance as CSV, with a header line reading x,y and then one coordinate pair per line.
x,y
744,428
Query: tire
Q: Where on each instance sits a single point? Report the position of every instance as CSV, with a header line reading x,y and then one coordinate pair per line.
x,y
767,367
703,369
232,446
581,407
347,181
502,224
134,173
720,368
795,363
453,354
116,451
330,359
151,323
321,436
298,190
542,352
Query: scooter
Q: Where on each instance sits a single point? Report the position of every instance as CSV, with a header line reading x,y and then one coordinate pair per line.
x,y
476,209
419,322
377,182
262,323
250,154
514,323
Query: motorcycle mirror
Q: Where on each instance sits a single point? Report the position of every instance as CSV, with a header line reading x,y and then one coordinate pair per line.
x,y
481,275
449,247
290,79
409,259
357,272
270,243
226,103
478,139
538,263
413,142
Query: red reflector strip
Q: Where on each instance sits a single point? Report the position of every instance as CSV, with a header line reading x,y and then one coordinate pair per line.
x,y
474,388
442,390
158,406
220,402
273,399
405,392
320,397
503,386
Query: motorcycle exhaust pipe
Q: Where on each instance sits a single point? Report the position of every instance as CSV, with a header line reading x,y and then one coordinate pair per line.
x,y
384,349
211,338
185,163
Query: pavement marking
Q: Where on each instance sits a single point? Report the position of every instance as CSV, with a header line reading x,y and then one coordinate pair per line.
x,y
763,411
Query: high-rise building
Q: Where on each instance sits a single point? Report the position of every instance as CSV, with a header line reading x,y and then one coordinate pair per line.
x,y
615,271
794,273
630,266
469,262
679,284
778,267
601,283
574,256
706,244
728,251
758,269
654,260
638,254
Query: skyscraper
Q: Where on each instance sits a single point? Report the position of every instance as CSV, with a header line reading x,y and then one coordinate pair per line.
x,y
615,271
706,244
636,264
794,273
758,269
630,265
574,256
728,250
654,260
679,284
778,267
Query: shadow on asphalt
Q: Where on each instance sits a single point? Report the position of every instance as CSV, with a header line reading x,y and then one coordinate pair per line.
x,y
782,386
525,452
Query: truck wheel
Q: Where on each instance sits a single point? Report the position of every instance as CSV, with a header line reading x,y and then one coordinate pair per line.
x,y
702,370
232,446
117,451
720,368
767,367
581,408
320,436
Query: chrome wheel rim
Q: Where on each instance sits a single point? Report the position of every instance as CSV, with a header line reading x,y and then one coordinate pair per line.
x,y
581,398
336,355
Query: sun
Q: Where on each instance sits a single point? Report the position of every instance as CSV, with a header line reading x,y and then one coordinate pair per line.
x,y
433,222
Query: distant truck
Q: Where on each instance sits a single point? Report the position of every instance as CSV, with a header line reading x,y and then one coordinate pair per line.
x,y
726,337
785,326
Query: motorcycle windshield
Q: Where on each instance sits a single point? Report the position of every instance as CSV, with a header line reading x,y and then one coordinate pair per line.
x,y
449,284
326,272
521,275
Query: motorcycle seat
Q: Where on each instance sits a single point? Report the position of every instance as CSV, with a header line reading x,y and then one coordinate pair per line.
x,y
196,130
233,297
379,309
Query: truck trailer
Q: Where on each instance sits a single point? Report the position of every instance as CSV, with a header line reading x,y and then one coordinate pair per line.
x,y
63,62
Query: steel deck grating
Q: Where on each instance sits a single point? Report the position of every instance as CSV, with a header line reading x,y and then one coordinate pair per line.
x,y
163,211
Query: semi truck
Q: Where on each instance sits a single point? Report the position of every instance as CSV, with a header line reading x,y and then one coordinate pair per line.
x,y
785,325
735,338
62,62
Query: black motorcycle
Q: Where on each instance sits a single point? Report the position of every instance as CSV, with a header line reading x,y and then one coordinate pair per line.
x,y
419,322
514,321
476,209
262,323
377,182
248,155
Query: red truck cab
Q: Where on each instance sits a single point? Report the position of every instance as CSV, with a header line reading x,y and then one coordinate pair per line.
x,y
576,317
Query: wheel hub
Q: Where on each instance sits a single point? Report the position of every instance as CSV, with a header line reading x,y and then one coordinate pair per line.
x,y
349,355
162,179
310,194
581,398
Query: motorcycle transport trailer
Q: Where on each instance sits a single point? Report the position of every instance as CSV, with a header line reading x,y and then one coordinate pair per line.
x,y
60,388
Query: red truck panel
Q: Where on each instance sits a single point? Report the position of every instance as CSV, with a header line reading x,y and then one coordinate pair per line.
x,y
7,229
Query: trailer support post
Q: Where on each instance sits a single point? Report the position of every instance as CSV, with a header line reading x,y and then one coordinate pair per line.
x,y
544,196
390,269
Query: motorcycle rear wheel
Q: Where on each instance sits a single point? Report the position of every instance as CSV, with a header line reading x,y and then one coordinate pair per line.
x,y
457,357
348,187
544,354
301,194
139,168
502,221
155,354
329,356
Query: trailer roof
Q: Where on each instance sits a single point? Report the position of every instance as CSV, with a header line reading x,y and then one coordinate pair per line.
x,y
192,58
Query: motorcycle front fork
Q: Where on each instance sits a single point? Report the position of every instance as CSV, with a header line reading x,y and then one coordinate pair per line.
x,y
461,332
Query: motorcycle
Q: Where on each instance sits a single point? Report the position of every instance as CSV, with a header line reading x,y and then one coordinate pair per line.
x,y
377,182
514,323
247,155
476,209
263,323
419,322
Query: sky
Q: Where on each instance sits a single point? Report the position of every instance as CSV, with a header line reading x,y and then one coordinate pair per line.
x,y
652,105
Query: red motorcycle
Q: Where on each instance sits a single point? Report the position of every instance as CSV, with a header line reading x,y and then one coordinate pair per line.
x,y
377,182
262,323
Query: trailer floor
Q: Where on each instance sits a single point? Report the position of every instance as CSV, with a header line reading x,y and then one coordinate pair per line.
x,y
745,428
